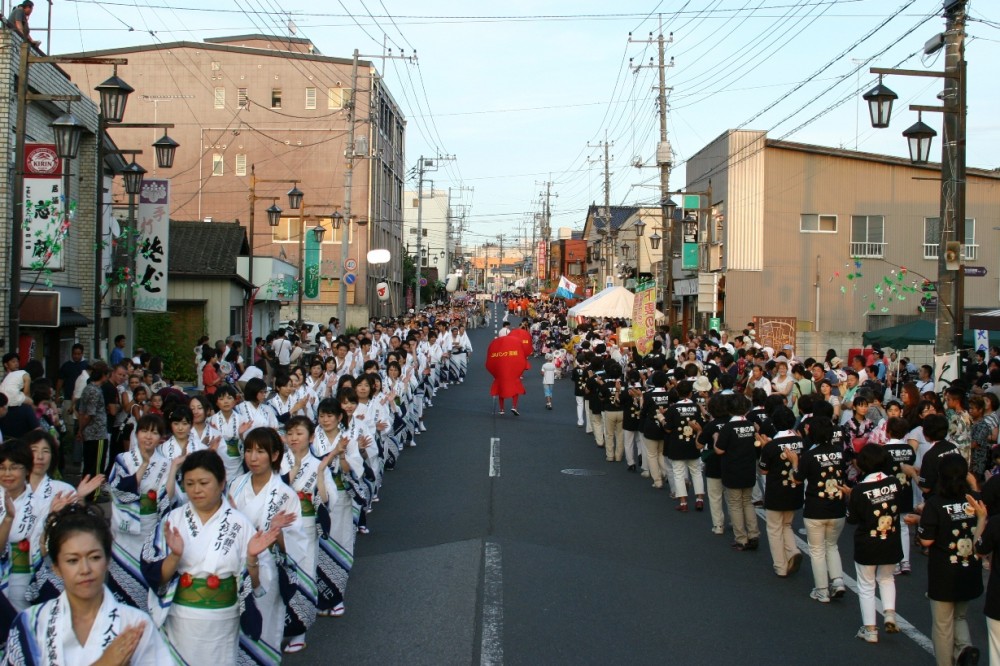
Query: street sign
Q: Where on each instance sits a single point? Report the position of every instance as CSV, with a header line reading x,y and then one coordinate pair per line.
x,y
975,271
423,282
715,323
349,278
350,264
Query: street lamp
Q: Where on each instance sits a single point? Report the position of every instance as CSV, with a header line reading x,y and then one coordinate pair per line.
x,y
640,226
67,130
273,215
319,231
654,241
336,219
295,198
133,175
165,149
669,207
919,136
114,94
880,101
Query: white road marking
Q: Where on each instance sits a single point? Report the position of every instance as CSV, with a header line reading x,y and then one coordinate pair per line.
x,y
494,456
491,648
905,627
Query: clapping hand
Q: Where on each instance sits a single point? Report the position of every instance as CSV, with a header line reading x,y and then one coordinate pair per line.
x,y
282,519
89,484
175,542
120,651
62,500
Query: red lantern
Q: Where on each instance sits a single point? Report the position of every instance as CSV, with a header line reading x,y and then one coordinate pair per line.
x,y
213,582
505,361
24,545
186,580
151,495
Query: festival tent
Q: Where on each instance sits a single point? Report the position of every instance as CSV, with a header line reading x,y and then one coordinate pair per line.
x,y
611,302
919,332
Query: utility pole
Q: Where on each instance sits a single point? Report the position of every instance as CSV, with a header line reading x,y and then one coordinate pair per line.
x,y
951,283
423,165
607,232
345,232
664,161
500,238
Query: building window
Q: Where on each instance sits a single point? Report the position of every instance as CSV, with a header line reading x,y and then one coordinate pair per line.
x,y
416,203
241,164
217,163
817,224
241,98
413,231
216,65
932,238
287,231
336,97
220,98
236,320
310,98
868,236
275,98
575,269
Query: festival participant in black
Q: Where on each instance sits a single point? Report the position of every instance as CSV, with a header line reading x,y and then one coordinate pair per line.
x,y
873,505
948,527
736,445
901,460
782,493
683,423
935,430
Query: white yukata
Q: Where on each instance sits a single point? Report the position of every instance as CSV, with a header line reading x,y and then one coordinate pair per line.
x,y
171,449
347,494
217,547
231,449
301,610
260,507
43,635
262,416
136,507
23,553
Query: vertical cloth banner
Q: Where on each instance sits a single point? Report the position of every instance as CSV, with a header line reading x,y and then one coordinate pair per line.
x,y
644,318
152,246
982,338
46,221
311,267
946,368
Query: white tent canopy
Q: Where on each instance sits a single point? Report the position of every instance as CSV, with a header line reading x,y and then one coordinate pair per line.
x,y
613,302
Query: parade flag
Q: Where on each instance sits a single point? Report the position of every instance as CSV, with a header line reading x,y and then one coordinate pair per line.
x,y
566,288
644,318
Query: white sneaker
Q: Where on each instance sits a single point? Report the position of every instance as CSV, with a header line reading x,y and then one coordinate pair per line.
x,y
423,428
838,588
645,474
718,530
868,635
890,622
820,594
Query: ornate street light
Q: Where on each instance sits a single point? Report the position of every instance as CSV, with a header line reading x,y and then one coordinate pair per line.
x,y
669,206
67,130
336,219
319,231
295,198
920,135
880,101
114,94
165,149
654,241
273,215
132,175
640,226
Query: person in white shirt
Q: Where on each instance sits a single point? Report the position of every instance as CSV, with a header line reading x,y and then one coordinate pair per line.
x,y
504,330
282,349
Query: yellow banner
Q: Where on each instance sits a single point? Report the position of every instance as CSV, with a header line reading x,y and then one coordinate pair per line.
x,y
644,320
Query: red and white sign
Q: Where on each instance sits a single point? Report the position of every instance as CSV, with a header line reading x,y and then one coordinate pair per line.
x,y
543,259
45,221
41,160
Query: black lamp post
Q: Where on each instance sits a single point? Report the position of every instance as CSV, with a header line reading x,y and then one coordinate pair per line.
x,y
132,175
273,215
295,198
114,94
165,149
67,130
880,101
919,136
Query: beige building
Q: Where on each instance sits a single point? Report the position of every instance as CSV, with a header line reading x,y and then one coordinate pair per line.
x,y
276,109
791,223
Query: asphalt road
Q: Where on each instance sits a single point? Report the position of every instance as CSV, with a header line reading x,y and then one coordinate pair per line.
x,y
535,566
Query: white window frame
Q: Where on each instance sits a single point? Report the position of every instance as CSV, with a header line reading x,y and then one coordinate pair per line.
x,y
970,249
242,98
310,98
218,165
241,164
819,218
865,248
220,98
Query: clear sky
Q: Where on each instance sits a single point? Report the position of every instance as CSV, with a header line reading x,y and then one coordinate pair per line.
x,y
517,90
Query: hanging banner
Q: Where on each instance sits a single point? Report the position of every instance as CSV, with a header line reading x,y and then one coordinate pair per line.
x,y
982,338
311,267
543,258
644,318
152,246
45,221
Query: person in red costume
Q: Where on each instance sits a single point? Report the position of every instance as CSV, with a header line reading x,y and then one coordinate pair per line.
x,y
506,361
